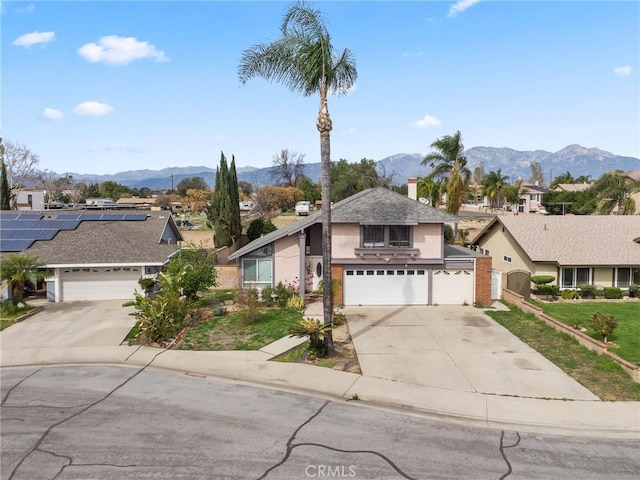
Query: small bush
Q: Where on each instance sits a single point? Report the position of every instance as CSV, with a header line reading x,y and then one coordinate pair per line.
x,y
568,294
339,318
542,279
550,291
160,318
295,303
587,291
634,290
603,324
612,293
219,311
248,306
259,227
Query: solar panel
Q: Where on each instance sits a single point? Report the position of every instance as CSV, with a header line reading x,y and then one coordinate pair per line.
x,y
24,234
90,216
112,218
67,216
11,245
135,217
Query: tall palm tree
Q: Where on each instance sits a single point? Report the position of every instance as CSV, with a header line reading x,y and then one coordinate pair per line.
x,y
304,60
18,270
613,190
450,164
492,186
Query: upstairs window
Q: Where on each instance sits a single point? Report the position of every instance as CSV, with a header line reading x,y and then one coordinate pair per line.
x,y
385,236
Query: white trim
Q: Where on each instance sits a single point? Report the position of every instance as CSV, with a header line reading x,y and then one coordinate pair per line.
x,y
106,265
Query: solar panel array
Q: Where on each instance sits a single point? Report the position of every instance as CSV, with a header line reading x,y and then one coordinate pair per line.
x,y
18,231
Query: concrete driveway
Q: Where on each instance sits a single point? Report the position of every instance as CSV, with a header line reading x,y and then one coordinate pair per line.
x,y
73,324
454,348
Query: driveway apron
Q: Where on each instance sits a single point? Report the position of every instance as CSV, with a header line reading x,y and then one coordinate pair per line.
x,y
454,348
73,324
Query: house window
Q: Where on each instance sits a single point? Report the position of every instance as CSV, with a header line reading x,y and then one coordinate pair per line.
x,y
621,277
506,259
256,273
573,277
381,236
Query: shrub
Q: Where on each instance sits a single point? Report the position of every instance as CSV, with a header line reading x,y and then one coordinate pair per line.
x,y
266,296
284,293
612,293
160,318
587,291
339,318
259,227
603,324
147,284
219,311
195,267
568,294
315,331
248,306
634,290
550,291
542,279
295,303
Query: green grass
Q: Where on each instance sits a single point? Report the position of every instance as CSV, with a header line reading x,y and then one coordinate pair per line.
x,y
214,298
604,377
293,355
199,221
624,341
9,314
229,332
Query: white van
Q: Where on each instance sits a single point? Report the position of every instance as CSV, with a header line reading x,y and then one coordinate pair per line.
x,y
303,208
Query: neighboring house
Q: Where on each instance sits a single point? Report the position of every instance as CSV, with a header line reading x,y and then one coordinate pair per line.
x,y
634,176
572,187
30,199
531,199
92,256
135,202
387,249
602,250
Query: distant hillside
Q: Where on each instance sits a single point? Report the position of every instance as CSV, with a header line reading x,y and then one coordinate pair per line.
x,y
516,164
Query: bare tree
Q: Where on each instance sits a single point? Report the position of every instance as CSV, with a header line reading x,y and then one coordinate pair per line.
x,y
287,169
20,163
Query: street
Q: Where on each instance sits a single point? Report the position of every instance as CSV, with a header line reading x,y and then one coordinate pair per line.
x,y
105,422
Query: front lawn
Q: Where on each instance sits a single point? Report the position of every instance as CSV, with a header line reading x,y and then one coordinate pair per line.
x,y
10,313
624,341
230,332
604,377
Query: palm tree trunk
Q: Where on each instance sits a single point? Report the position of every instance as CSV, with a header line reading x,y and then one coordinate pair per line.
x,y
324,127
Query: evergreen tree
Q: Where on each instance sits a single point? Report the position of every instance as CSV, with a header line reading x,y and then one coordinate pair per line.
x,y
236,227
5,191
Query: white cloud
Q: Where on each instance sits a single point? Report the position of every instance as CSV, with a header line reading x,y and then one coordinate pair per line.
x,y
34,38
622,71
51,114
412,54
460,6
116,50
28,9
427,121
93,109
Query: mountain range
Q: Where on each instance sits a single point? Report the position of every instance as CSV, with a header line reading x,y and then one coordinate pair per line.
x,y
515,164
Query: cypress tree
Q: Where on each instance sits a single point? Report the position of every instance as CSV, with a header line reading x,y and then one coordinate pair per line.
x,y
236,226
5,191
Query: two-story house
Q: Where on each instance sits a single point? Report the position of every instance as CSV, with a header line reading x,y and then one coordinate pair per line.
x,y
387,249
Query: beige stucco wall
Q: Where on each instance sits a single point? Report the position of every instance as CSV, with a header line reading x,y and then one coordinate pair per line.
x,y
344,238
428,238
501,244
286,257
546,269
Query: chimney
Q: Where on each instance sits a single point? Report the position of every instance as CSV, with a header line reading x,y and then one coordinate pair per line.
x,y
412,185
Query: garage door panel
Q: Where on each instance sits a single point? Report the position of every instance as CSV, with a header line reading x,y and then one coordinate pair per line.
x,y
452,287
376,286
100,284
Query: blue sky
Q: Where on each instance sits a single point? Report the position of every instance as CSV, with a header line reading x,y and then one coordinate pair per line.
x,y
104,87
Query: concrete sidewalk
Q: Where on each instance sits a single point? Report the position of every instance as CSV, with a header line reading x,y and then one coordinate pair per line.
x,y
563,417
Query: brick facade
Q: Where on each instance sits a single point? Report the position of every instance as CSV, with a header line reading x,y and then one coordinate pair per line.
x,y
337,272
483,281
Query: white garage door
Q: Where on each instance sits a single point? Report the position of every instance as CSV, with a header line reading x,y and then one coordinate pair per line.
x,y
452,287
99,283
389,286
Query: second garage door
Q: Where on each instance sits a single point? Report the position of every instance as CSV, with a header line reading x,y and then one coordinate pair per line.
x,y
452,287
389,286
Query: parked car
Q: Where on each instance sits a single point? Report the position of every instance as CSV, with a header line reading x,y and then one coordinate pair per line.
x,y
303,207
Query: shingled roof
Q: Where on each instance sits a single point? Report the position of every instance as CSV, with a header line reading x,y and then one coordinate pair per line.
x,y
574,239
375,206
112,242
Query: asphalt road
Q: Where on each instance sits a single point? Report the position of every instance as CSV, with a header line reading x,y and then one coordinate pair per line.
x,y
107,422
